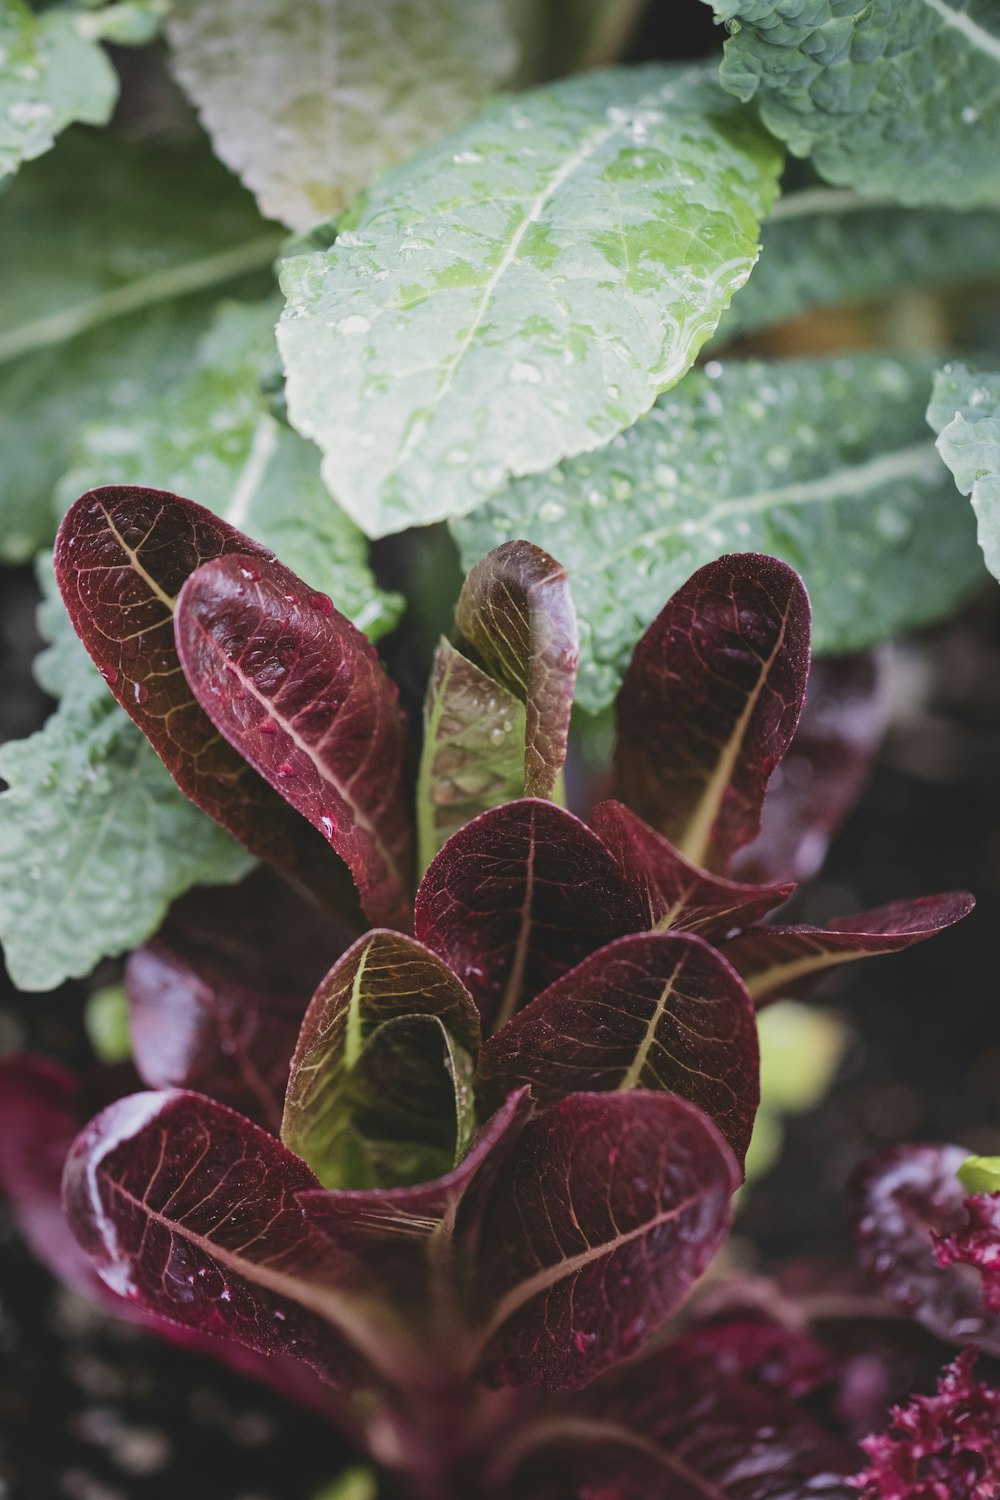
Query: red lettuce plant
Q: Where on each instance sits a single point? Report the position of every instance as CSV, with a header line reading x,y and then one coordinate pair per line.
x,y
471,1187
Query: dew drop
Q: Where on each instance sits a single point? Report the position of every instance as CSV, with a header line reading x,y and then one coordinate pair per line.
x,y
355,323
140,692
285,768
252,575
328,827
110,674
583,1341
267,726
323,603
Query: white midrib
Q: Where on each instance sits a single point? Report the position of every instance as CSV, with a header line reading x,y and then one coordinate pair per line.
x,y
550,1276
556,181
981,39
698,834
338,1310
145,291
918,460
586,1430
633,1076
322,770
262,448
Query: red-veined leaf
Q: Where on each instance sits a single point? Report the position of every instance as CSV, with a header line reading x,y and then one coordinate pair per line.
x,y
777,962
710,702
403,1234
649,1011
845,716
672,1426
675,894
303,698
217,998
516,898
42,1110
603,1214
122,556
191,1212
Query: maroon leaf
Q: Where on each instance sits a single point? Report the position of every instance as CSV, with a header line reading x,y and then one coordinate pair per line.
x,y
201,1030
672,1426
764,1354
976,1244
675,894
785,961
42,1108
603,1214
515,619
845,716
218,996
190,1211
517,897
898,1201
403,1234
650,1011
941,1447
41,1111
710,703
380,1086
122,556
302,696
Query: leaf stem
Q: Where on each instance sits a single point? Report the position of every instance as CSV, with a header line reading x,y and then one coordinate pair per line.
x,y
611,33
159,286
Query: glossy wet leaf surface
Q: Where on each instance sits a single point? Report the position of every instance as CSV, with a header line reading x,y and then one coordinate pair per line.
x,y
301,697
461,329
710,702
516,898
736,459
650,1011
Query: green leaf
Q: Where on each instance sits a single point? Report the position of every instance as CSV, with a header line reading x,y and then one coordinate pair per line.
x,y
900,97
353,1484
52,72
822,246
801,1049
307,103
113,255
212,436
825,463
95,842
981,1174
473,751
380,1087
522,291
106,1021
965,412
